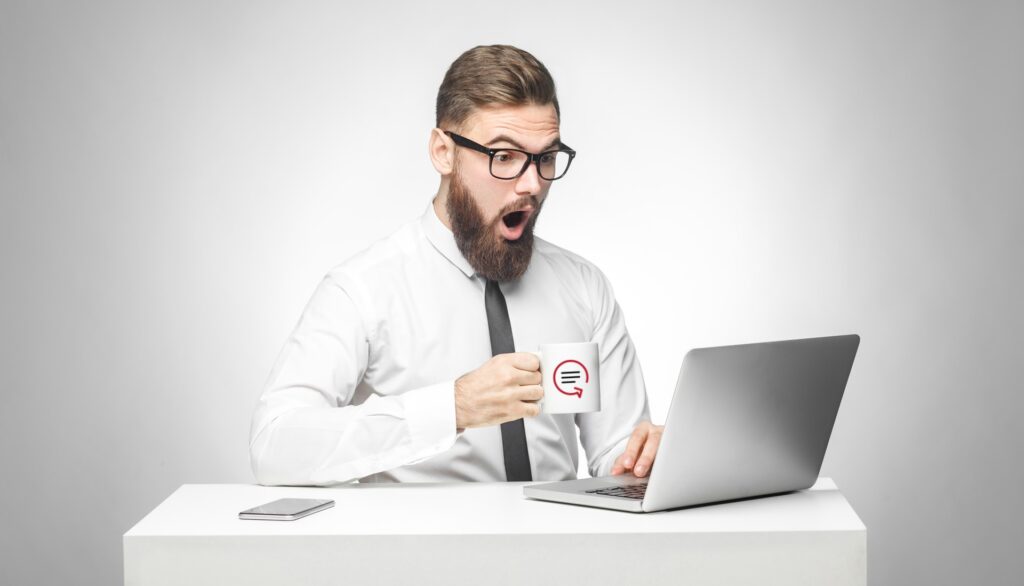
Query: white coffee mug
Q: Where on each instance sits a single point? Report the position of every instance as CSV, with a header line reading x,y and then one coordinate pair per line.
x,y
571,377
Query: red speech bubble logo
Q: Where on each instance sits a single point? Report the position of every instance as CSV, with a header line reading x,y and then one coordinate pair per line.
x,y
568,374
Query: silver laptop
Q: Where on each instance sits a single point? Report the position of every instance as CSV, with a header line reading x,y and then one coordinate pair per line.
x,y
745,421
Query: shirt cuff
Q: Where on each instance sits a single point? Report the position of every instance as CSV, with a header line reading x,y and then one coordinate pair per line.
x,y
430,412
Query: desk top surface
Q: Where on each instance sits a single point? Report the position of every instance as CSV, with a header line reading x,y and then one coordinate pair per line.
x,y
477,508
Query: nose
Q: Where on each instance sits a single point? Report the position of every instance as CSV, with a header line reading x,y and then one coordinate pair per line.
x,y
529,183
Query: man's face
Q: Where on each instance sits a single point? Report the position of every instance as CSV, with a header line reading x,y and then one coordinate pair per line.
x,y
493,219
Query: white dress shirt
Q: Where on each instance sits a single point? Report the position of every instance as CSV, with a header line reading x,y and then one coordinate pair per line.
x,y
364,387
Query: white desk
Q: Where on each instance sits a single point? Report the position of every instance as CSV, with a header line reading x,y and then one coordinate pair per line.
x,y
488,533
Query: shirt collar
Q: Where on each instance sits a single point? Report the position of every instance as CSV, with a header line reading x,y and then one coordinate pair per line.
x,y
443,240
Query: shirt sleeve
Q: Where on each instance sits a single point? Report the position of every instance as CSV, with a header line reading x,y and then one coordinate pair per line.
x,y
305,431
604,434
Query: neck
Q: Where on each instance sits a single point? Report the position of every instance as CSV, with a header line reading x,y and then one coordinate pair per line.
x,y
440,205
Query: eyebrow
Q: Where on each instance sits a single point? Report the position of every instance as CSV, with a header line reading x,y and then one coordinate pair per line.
x,y
504,138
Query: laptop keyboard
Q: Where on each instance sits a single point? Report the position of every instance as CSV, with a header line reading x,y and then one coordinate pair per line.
x,y
635,491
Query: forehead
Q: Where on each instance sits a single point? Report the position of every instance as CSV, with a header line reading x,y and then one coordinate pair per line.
x,y
531,125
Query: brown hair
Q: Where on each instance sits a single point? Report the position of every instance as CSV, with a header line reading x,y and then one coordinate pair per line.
x,y
493,75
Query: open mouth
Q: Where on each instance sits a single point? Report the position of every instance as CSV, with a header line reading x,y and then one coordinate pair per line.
x,y
513,224
514,219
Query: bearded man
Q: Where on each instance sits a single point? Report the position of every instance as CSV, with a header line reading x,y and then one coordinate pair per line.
x,y
389,375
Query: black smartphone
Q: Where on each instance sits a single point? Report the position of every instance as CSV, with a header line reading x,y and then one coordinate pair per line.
x,y
286,509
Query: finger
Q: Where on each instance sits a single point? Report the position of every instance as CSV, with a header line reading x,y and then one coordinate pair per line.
x,y
646,459
530,393
636,441
526,377
527,361
530,409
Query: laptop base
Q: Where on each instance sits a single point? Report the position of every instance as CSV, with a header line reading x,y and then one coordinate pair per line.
x,y
575,492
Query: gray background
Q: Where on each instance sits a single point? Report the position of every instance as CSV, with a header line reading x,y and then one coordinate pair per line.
x,y
176,177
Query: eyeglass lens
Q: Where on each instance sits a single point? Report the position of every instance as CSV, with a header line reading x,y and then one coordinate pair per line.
x,y
510,164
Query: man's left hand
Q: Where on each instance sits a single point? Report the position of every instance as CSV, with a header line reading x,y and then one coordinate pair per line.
x,y
640,451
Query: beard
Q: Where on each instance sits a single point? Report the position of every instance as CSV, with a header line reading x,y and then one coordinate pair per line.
x,y
491,256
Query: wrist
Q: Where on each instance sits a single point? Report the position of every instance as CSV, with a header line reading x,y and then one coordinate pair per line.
x,y
460,425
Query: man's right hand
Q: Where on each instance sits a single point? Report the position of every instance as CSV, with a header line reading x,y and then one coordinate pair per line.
x,y
506,388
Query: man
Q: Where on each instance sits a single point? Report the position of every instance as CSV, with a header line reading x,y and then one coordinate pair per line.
x,y
389,374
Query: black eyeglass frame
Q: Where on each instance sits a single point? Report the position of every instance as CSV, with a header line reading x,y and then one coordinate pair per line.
x,y
530,157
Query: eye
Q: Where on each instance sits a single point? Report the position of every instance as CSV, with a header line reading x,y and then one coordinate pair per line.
x,y
547,158
503,156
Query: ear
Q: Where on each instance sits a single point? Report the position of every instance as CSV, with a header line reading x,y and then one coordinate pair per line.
x,y
442,152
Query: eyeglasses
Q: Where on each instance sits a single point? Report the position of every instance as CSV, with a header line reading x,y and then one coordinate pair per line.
x,y
512,163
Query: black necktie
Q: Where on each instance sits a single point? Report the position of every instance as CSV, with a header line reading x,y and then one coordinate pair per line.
x,y
513,433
